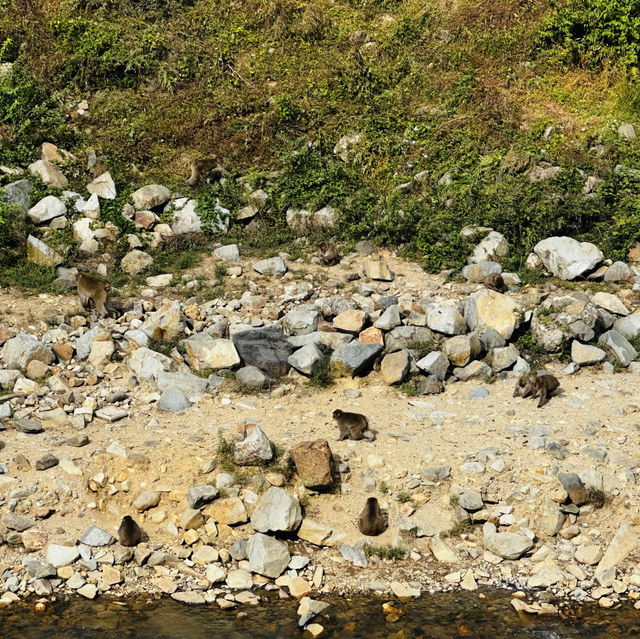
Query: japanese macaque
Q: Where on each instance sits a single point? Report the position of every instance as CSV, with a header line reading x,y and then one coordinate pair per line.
x,y
129,533
352,425
329,254
93,289
209,168
543,385
495,282
372,520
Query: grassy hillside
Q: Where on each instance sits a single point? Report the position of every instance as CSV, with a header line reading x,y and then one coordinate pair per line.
x,y
474,93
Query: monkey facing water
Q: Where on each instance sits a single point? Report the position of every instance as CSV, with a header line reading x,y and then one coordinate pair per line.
x,y
534,385
329,255
495,282
372,520
129,533
93,289
352,425
209,167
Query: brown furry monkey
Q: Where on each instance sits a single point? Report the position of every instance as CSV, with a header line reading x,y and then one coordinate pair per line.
x,y
495,282
129,533
524,386
210,167
329,254
546,386
93,289
352,425
372,520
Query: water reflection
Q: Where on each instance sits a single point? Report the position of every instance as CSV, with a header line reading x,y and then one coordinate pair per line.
x,y
442,616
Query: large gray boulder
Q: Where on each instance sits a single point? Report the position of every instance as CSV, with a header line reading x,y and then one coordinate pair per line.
x,y
103,186
266,348
271,266
22,349
148,364
252,447
435,363
42,254
46,209
446,318
307,359
508,545
617,345
267,556
628,326
150,196
355,358
301,320
488,309
203,351
491,247
277,511
19,193
567,258
166,323
173,400
49,173
135,262
192,386
186,220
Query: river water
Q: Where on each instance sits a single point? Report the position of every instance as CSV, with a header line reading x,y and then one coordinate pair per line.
x,y
440,616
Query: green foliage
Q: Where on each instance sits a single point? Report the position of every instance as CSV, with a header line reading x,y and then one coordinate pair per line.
x,y
403,497
594,31
597,497
166,346
13,233
410,389
461,527
392,553
323,376
28,277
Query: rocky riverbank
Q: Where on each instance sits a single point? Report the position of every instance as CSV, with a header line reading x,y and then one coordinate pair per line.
x,y
239,483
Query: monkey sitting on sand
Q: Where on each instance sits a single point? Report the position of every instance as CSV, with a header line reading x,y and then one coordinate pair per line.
x,y
544,385
93,289
329,254
352,425
129,533
495,282
372,520
209,167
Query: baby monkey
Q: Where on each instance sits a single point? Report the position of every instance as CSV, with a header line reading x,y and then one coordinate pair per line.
x,y
372,520
329,254
495,282
92,289
352,425
129,533
534,385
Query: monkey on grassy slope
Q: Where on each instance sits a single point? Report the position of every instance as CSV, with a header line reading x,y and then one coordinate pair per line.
x,y
209,167
372,520
329,254
352,425
93,289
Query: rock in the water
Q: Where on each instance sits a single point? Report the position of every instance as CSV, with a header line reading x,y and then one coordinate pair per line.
x,y
314,463
567,258
267,556
253,447
277,511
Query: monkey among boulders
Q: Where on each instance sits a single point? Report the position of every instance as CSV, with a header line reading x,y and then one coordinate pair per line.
x,y
495,282
329,254
352,425
129,533
372,520
93,289
524,386
209,167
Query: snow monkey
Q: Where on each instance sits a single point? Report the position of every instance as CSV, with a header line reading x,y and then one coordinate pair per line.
x,y
210,167
329,254
352,425
495,282
543,385
129,533
372,521
93,289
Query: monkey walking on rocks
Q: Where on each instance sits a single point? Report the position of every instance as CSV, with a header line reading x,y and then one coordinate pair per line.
x,y
495,282
352,425
372,520
210,167
329,254
534,385
129,533
92,289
